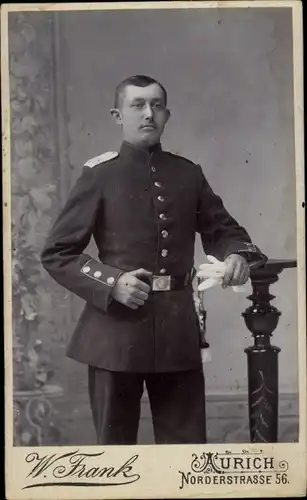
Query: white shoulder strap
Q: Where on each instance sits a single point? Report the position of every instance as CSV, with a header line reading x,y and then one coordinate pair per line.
x,y
101,159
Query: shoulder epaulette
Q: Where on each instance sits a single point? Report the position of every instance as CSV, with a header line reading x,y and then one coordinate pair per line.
x,y
101,159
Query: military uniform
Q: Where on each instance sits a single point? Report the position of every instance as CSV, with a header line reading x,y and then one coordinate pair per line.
x,y
143,209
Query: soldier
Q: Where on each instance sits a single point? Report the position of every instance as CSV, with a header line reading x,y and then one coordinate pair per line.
x,y
143,207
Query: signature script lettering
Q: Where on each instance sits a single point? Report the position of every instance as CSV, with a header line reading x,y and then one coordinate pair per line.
x,y
80,465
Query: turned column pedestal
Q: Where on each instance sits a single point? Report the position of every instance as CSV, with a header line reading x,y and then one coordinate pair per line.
x,y
261,318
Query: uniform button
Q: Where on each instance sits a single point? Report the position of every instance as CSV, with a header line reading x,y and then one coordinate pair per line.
x,y
164,252
161,198
86,269
162,216
110,280
162,271
97,274
164,233
153,169
158,184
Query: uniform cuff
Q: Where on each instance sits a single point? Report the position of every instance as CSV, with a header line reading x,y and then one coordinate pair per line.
x,y
252,254
101,275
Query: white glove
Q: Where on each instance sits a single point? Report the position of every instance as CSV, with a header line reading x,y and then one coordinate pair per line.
x,y
205,355
213,275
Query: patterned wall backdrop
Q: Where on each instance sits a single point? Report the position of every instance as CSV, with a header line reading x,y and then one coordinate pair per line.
x,y
38,304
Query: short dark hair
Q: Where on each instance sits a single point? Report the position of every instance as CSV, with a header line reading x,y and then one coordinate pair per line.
x,y
138,81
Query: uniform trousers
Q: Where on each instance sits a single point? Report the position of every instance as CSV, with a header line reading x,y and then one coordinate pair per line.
x,y
177,402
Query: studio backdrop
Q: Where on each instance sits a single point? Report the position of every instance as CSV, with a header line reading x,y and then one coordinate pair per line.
x,y
228,73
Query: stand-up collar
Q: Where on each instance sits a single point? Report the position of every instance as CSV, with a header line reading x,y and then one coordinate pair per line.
x,y
130,152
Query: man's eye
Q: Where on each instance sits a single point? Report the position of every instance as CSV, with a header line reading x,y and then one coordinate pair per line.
x,y
137,105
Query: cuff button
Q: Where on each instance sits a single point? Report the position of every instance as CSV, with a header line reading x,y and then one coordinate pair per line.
x,y
110,280
86,269
97,274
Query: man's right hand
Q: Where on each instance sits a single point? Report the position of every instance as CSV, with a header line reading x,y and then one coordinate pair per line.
x,y
131,291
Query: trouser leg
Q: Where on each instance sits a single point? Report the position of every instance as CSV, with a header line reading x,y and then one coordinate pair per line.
x,y
115,400
177,403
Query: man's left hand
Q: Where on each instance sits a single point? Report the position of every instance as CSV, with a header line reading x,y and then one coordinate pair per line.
x,y
237,271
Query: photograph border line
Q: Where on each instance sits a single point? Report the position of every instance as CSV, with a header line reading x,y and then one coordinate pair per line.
x,y
223,4
298,87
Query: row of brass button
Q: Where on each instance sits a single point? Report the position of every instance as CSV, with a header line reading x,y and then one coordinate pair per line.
x,y
162,216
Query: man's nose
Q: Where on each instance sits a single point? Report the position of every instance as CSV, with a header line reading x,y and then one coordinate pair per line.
x,y
148,111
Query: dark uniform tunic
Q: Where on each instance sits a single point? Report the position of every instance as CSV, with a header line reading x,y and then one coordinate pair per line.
x,y
143,210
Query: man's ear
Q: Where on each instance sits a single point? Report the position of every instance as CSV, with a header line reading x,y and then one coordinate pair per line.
x,y
116,115
168,115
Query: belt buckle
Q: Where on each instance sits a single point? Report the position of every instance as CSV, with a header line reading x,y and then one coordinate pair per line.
x,y
161,283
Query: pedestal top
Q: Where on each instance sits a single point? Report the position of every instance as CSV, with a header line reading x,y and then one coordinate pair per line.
x,y
273,266
281,262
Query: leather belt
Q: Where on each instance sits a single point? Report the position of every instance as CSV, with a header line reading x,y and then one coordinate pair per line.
x,y
165,283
